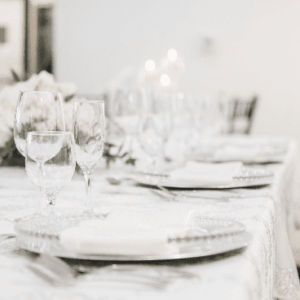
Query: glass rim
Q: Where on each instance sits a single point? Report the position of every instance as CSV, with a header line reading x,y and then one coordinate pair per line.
x,y
49,133
89,100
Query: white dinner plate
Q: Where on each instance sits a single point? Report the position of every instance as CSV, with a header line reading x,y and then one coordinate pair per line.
x,y
248,177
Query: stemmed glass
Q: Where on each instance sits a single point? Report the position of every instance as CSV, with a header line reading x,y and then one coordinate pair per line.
x,y
154,130
211,120
127,109
37,111
151,139
184,134
56,151
89,134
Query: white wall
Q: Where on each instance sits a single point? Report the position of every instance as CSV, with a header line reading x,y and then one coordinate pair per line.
x,y
96,38
11,53
256,48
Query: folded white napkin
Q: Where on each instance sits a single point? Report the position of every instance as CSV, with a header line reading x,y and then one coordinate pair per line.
x,y
230,153
206,174
116,241
130,231
249,152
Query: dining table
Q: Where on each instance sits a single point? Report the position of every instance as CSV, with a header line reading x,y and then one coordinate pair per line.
x,y
264,269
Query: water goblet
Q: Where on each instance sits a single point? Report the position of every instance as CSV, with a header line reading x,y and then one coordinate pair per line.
x,y
155,127
128,106
56,151
152,135
37,111
89,134
212,112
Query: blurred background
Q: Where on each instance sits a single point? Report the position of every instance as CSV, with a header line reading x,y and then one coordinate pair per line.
x,y
239,47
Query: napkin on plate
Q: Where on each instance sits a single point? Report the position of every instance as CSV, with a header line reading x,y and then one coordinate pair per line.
x,y
130,231
240,148
233,153
206,174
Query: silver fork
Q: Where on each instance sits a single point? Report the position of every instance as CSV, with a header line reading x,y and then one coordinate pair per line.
x,y
173,195
56,271
6,236
224,196
157,277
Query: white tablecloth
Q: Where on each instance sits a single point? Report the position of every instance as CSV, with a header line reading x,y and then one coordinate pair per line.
x,y
265,269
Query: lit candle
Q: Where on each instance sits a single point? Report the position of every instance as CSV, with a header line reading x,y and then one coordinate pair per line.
x,y
172,64
172,55
150,66
165,80
150,74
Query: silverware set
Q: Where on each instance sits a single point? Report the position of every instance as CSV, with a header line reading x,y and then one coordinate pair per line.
x,y
173,195
57,272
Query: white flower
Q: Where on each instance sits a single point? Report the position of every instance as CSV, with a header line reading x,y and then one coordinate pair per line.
x,y
8,99
43,82
68,110
5,132
66,89
37,82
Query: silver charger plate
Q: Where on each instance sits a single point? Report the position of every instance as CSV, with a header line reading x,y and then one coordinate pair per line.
x,y
248,177
261,159
217,237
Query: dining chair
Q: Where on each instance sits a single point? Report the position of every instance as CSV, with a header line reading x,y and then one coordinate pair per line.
x,y
241,115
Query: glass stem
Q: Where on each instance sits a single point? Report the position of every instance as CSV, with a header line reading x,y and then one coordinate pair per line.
x,y
40,166
38,202
50,196
154,163
88,187
130,144
127,146
50,209
38,207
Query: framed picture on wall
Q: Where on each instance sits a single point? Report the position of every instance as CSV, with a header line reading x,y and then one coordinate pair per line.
x,y
39,36
12,37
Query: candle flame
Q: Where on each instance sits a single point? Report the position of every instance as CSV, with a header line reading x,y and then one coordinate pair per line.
x,y
150,65
172,54
165,80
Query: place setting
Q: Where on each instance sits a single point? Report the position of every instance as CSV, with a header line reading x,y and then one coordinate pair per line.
x,y
119,234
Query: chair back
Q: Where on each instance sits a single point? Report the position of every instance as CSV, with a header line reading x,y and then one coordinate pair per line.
x,y
240,115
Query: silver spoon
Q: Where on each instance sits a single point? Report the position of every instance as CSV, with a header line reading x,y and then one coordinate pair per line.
x,y
167,194
116,181
6,236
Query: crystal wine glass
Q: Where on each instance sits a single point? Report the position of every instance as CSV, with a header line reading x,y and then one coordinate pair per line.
x,y
56,150
37,111
154,130
127,109
89,133
151,139
211,121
